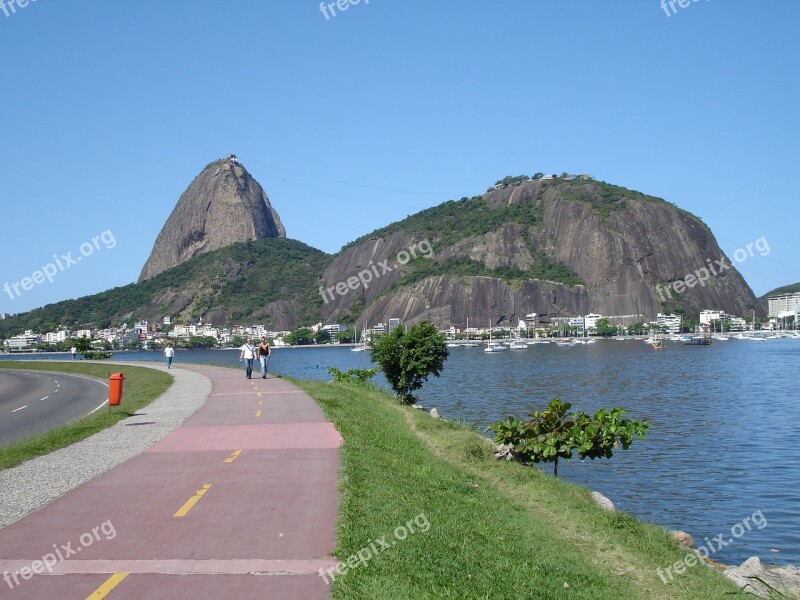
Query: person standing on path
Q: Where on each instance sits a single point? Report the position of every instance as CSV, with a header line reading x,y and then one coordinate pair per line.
x,y
263,356
248,353
169,352
72,351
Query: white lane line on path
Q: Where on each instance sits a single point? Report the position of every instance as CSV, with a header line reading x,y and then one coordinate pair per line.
x,y
45,398
20,408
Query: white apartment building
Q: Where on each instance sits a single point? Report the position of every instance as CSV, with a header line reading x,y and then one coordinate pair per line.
x,y
707,316
333,331
671,322
53,337
26,340
590,320
785,303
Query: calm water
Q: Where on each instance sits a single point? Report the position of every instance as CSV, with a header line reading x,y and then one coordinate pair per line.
x,y
723,442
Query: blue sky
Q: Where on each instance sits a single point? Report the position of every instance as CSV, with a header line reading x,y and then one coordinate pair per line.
x,y
110,109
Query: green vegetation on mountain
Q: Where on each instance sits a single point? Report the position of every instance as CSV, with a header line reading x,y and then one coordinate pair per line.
x,y
604,198
239,280
455,220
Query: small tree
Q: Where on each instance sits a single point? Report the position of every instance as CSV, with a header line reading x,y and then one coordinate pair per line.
x,y
408,359
554,433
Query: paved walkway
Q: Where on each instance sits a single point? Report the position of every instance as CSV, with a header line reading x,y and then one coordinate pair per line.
x,y
238,502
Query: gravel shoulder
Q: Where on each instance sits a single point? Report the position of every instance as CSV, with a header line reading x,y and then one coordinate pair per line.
x,y
39,481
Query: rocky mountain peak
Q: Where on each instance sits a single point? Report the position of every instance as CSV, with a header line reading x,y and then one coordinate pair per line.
x,y
223,205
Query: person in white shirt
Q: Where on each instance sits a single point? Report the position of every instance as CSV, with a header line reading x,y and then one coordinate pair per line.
x,y
247,354
169,352
72,351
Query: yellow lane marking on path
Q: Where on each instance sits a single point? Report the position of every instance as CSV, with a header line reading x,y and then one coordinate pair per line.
x,y
258,412
107,586
233,456
192,501
261,403
258,394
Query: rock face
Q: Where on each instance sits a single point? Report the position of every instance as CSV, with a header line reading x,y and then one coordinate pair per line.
x,y
753,577
624,246
223,205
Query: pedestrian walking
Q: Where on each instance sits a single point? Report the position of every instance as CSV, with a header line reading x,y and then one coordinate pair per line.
x,y
247,354
263,356
169,352
72,351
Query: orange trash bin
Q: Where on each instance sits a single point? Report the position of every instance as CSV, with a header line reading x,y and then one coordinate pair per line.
x,y
115,389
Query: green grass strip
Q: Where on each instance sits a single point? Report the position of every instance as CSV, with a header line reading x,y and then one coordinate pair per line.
x,y
497,529
141,386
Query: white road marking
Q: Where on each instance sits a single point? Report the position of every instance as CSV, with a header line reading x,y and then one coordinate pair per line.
x,y
20,408
45,398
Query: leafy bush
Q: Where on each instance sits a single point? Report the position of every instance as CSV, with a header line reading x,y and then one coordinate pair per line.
x,y
352,375
407,359
95,355
554,433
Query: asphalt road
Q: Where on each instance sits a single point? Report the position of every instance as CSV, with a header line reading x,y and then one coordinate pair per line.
x,y
33,402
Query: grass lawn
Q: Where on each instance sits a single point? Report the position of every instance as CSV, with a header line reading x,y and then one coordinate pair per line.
x,y
496,529
142,386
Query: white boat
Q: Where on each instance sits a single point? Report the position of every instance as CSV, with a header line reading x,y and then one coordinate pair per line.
x,y
495,347
537,341
518,345
565,343
720,337
453,345
650,340
469,345
361,347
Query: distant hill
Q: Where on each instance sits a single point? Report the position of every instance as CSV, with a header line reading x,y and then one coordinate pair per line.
x,y
272,281
556,247
786,289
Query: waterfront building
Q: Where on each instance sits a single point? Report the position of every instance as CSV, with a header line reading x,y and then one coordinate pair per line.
x,y
590,320
333,331
708,316
671,322
26,340
781,306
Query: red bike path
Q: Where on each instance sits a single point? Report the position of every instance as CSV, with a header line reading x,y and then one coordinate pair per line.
x,y
238,502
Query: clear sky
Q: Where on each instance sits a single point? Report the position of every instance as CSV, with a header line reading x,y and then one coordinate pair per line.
x,y
350,122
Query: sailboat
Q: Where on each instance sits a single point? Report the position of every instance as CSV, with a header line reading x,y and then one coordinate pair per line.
x,y
469,343
362,347
720,336
494,346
